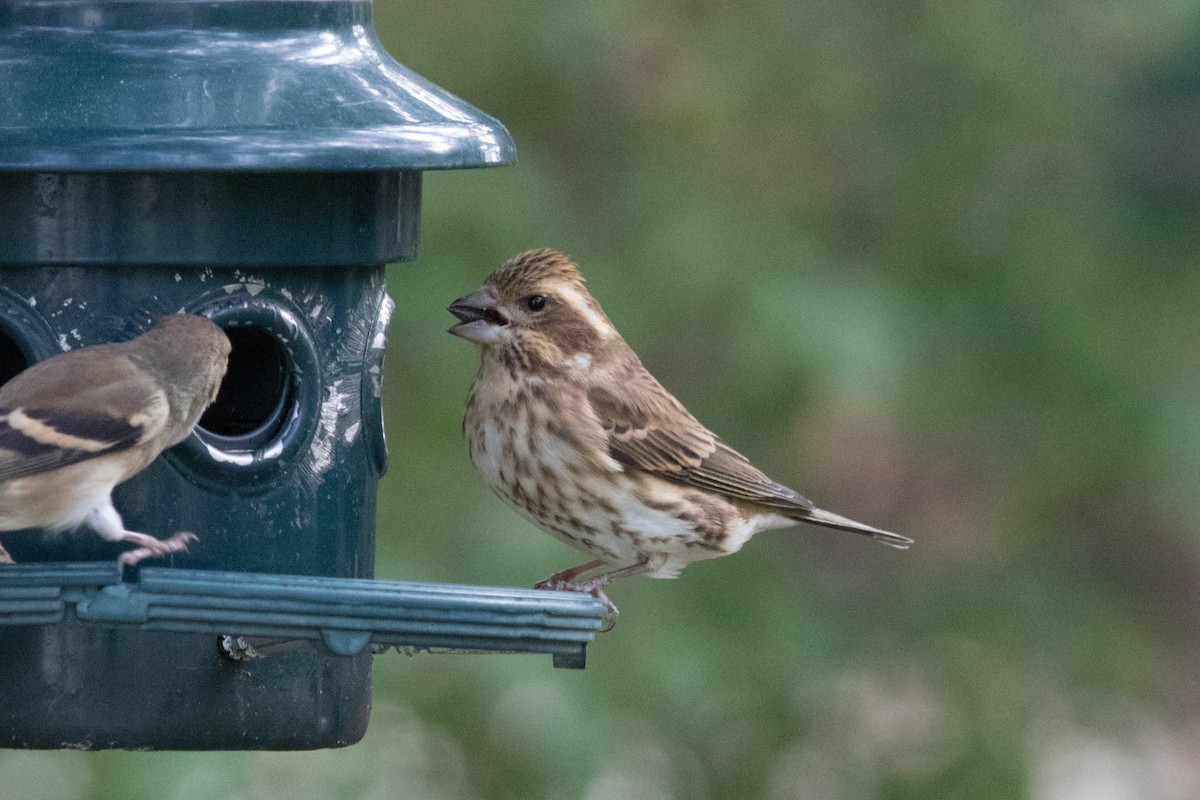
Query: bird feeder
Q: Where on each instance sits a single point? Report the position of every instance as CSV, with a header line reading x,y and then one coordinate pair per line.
x,y
257,162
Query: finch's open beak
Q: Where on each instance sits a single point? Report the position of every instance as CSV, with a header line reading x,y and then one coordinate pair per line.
x,y
479,319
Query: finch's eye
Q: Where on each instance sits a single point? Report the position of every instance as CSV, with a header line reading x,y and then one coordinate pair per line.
x,y
535,302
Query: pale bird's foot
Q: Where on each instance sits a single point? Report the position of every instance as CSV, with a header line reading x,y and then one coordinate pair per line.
x,y
5,558
149,547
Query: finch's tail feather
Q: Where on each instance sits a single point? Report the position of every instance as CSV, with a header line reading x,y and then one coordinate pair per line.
x,y
830,520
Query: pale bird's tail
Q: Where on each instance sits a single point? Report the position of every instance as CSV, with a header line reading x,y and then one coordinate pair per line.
x,y
830,520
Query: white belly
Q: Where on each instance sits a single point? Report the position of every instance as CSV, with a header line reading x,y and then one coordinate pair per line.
x,y
61,499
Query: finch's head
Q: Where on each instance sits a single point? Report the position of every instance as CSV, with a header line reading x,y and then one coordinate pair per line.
x,y
536,301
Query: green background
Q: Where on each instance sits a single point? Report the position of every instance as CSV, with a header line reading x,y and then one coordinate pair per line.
x,y
928,263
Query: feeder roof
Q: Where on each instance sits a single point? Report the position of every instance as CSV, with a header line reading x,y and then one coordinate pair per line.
x,y
243,85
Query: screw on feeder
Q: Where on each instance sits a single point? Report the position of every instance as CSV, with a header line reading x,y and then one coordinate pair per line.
x,y
236,648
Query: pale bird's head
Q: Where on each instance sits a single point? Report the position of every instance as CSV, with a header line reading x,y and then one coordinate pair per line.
x,y
536,302
190,354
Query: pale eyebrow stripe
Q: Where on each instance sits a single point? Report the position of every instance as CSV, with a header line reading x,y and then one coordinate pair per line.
x,y
580,303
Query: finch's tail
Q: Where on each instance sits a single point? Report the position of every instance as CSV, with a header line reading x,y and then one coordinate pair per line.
x,y
831,520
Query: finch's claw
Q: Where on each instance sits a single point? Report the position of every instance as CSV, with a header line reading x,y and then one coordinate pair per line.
x,y
611,612
556,584
149,547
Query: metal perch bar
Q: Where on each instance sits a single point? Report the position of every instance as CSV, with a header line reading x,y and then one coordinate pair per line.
x,y
347,615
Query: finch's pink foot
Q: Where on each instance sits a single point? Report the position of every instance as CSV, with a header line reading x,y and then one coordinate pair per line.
x,y
610,608
149,547
5,558
566,579
555,583
595,588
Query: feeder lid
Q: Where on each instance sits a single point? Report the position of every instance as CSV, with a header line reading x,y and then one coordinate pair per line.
x,y
247,85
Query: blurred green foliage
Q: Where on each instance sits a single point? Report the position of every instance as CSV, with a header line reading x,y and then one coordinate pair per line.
x,y
926,262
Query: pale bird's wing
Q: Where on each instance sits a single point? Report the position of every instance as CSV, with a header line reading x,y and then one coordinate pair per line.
x,y
71,409
649,430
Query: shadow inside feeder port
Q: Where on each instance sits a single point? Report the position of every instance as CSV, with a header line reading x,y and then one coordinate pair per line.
x,y
252,404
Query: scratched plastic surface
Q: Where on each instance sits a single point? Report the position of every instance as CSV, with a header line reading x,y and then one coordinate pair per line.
x,y
299,501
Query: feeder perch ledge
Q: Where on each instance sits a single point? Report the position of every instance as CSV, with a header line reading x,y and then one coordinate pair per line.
x,y
347,615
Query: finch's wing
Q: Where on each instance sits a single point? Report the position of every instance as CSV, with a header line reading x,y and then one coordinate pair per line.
x,y
69,409
649,430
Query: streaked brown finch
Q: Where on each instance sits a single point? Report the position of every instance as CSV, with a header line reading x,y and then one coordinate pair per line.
x,y
566,425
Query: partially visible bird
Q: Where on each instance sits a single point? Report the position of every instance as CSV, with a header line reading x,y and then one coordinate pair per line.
x,y
566,425
76,424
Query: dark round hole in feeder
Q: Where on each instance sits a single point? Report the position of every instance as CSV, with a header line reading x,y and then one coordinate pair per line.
x,y
250,409
12,358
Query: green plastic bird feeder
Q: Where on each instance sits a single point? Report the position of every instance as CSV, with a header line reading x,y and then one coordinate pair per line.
x,y
256,161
